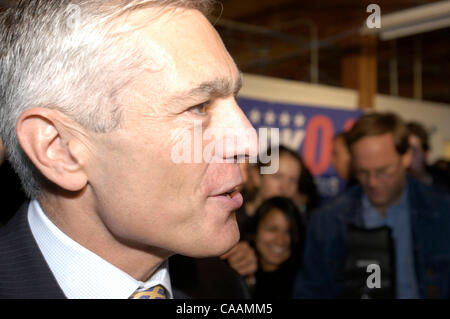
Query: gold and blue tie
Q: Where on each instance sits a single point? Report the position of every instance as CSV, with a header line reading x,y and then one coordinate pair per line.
x,y
156,292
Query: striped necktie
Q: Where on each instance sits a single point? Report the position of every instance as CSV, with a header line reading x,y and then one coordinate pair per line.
x,y
156,292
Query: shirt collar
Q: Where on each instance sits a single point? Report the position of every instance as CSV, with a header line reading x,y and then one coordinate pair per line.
x,y
80,273
372,218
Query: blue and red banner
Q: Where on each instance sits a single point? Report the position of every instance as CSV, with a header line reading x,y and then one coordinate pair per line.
x,y
306,129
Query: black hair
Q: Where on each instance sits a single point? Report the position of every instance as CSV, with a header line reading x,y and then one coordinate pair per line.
x,y
307,186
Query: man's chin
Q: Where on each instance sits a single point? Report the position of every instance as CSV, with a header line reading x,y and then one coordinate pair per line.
x,y
214,247
211,252
378,201
224,247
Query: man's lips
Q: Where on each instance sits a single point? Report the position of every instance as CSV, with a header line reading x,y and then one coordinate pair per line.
x,y
228,195
375,192
231,201
227,189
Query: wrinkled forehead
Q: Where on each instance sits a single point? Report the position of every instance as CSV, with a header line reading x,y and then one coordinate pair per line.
x,y
186,46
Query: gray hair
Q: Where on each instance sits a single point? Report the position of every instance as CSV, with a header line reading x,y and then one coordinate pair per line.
x,y
62,54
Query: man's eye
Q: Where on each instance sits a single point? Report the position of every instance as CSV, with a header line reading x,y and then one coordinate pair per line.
x,y
200,109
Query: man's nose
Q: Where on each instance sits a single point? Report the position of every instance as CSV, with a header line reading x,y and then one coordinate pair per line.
x,y
238,134
372,179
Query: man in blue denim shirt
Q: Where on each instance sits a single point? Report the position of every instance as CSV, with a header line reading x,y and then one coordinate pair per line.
x,y
418,215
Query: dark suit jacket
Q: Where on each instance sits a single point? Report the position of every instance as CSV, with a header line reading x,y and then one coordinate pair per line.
x,y
24,273
207,278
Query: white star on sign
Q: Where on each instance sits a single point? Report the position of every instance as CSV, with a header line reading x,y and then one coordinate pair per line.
x,y
285,119
270,118
299,120
255,116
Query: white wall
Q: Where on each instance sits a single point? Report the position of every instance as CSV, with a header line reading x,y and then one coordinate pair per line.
x,y
286,91
435,116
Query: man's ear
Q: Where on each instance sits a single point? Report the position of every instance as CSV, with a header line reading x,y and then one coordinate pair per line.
x,y
407,158
49,144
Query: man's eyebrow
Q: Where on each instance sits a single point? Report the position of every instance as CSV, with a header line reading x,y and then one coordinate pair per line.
x,y
220,87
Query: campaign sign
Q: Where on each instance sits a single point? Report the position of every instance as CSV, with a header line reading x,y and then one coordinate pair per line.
x,y
306,129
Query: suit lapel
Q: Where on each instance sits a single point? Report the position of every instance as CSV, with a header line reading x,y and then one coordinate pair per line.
x,y
24,273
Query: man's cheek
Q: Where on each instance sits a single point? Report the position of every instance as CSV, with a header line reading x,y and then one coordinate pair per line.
x,y
180,146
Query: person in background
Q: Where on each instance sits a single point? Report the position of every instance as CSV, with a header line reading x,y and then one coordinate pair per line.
x,y
250,172
249,191
420,146
417,215
283,182
307,197
278,239
341,160
340,157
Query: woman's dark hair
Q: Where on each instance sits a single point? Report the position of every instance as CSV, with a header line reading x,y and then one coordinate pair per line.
x,y
297,228
307,186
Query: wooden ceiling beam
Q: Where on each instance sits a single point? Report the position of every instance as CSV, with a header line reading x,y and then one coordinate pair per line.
x,y
238,9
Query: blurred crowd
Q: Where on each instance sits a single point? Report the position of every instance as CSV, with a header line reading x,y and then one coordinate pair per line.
x,y
295,246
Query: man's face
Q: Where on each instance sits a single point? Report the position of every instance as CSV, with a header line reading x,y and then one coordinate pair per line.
x,y
285,181
380,169
143,196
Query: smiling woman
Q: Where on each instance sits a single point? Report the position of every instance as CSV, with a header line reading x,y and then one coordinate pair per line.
x,y
278,238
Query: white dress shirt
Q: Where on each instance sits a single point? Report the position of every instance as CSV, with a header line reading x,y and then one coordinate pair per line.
x,y
80,273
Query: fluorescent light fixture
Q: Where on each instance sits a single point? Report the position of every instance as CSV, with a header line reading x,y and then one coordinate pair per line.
x,y
413,21
415,28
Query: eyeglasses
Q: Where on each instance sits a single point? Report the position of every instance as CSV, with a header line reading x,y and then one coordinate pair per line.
x,y
381,174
